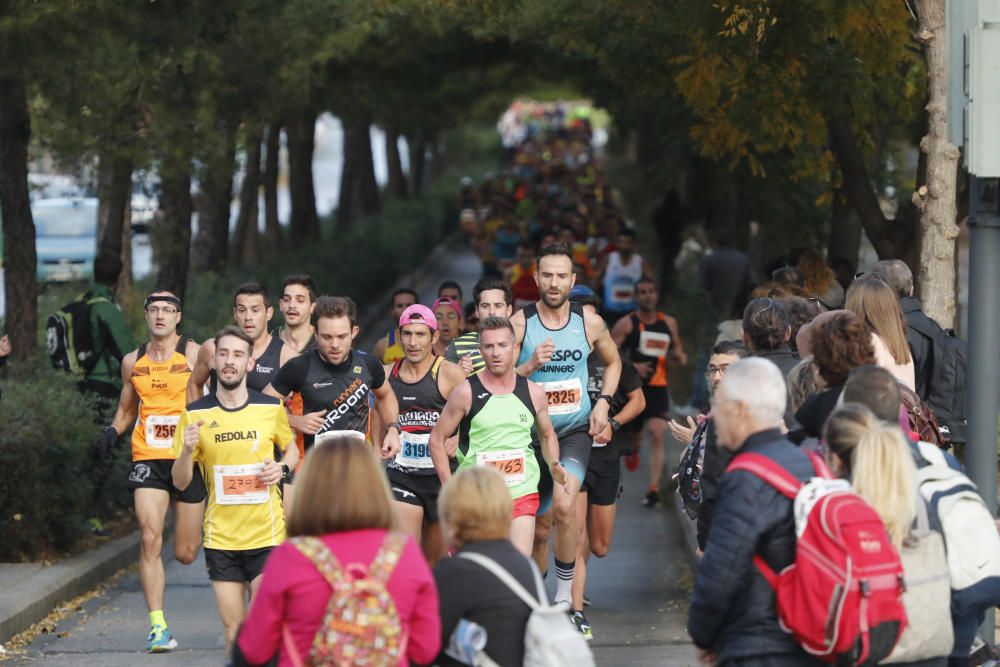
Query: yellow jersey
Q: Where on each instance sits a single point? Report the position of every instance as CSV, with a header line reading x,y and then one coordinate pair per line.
x,y
393,350
242,513
161,388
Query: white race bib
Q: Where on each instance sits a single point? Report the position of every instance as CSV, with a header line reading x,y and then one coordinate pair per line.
x,y
160,430
622,294
239,485
510,464
563,396
654,343
414,451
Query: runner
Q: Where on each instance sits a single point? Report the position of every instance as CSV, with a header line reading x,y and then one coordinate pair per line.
x,y
521,276
495,412
449,320
298,298
154,379
491,297
556,337
336,382
649,337
252,310
422,383
618,274
449,289
596,505
230,437
388,348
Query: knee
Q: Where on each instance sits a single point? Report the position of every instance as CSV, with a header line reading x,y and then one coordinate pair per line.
x,y
563,512
542,532
151,543
185,553
599,549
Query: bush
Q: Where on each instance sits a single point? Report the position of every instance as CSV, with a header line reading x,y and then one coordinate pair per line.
x,y
47,490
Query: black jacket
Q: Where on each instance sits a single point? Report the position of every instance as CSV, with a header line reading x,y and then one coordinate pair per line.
x,y
921,347
782,357
712,467
733,607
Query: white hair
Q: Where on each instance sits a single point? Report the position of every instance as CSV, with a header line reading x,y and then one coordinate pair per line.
x,y
759,385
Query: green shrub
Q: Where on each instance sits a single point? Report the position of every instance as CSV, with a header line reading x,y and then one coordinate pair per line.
x,y
47,488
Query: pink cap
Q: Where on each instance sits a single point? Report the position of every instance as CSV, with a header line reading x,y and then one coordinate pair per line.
x,y
451,303
418,314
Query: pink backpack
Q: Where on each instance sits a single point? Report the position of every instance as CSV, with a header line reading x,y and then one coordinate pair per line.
x,y
842,597
361,626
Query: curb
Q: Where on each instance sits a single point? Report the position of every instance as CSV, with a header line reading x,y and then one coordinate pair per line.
x,y
689,529
38,594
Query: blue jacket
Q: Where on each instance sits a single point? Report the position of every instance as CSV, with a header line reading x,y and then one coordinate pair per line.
x,y
733,607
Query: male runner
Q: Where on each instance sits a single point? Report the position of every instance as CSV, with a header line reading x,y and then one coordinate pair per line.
x,y
422,383
388,348
556,337
449,320
298,296
337,381
648,337
495,412
492,299
154,379
596,505
617,276
449,289
521,276
231,436
252,310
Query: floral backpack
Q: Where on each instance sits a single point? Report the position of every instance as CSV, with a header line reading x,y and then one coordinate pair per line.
x,y
361,626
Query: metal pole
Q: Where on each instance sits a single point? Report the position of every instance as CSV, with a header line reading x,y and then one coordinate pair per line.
x,y
983,389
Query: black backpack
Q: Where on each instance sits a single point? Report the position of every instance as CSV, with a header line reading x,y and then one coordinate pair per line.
x,y
946,380
69,339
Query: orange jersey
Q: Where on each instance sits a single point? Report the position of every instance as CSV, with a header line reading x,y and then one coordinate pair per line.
x,y
161,388
650,343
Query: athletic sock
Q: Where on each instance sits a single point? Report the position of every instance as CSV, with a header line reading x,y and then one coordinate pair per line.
x,y
564,580
157,618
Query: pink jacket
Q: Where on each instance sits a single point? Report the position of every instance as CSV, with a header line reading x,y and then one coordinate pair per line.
x,y
293,591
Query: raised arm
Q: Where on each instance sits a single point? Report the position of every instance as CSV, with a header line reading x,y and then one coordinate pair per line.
x,y
458,405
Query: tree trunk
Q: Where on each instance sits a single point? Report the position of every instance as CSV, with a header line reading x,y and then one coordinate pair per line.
x,y
845,230
215,202
397,179
173,232
418,162
300,131
125,281
270,179
936,199
348,203
19,259
244,244
114,185
370,203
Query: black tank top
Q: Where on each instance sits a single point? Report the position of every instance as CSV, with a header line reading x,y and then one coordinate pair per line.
x,y
650,343
420,406
264,371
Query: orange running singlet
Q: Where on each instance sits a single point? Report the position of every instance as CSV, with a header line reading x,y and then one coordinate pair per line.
x,y
161,389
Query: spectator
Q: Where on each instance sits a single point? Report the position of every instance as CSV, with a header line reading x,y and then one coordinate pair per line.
x,y
351,513
838,343
820,280
871,299
801,382
766,332
898,276
787,275
725,274
475,508
112,339
733,617
801,311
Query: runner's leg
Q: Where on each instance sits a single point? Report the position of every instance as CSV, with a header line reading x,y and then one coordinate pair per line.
x,y
187,530
522,534
433,543
657,428
580,573
600,528
230,596
540,548
411,519
150,511
564,514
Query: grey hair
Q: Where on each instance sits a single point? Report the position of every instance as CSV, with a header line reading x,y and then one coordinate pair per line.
x,y
759,385
896,274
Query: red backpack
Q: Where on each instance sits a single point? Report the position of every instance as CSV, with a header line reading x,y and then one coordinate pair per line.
x,y
842,597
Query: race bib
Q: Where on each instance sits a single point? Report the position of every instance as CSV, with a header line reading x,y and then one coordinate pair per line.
x,y
239,485
160,430
622,294
414,451
510,464
563,396
654,343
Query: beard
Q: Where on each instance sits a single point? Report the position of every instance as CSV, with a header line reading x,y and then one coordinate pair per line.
x,y
560,300
229,386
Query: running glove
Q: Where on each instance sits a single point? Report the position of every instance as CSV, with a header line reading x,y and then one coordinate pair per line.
x,y
106,443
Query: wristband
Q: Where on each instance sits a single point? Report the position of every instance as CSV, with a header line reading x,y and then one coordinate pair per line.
x,y
396,426
606,398
614,425
285,471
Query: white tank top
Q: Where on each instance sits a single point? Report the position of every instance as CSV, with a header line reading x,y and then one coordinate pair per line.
x,y
619,282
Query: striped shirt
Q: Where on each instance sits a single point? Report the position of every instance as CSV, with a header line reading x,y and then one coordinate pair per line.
x,y
466,345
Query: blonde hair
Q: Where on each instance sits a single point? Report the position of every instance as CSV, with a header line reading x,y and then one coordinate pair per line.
x,y
801,383
843,430
871,299
476,506
341,487
885,475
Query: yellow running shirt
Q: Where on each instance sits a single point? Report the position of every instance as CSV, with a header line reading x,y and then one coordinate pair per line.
x,y
241,512
161,388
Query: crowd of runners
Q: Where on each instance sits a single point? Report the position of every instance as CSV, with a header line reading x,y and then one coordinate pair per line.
x,y
477,434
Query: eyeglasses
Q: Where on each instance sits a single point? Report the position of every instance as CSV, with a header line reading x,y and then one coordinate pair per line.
x,y
156,310
712,370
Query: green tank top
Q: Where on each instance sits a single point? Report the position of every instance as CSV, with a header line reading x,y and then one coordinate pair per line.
x,y
497,433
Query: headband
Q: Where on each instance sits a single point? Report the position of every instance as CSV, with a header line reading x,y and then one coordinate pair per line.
x,y
169,298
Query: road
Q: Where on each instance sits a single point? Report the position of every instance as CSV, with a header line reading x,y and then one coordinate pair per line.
x,y
639,594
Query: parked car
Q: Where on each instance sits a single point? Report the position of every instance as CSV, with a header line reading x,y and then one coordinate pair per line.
x,y
65,238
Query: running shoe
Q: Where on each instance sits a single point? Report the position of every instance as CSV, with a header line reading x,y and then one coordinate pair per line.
x,y
632,461
652,498
582,624
160,640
